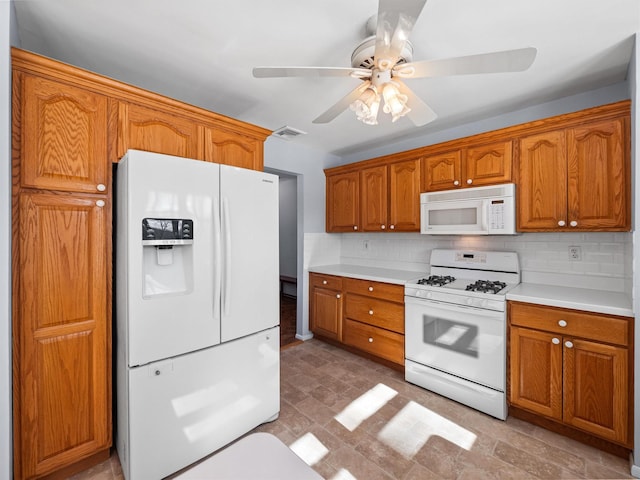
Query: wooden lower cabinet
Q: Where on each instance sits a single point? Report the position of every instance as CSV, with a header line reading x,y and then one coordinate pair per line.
x,y
62,332
572,367
365,315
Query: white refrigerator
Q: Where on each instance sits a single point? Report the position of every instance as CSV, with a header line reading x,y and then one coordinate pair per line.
x,y
197,309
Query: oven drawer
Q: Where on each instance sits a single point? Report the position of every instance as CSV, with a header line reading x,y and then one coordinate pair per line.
x,y
604,328
383,291
375,312
377,341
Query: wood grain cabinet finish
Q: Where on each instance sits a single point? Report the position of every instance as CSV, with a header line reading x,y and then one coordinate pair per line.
x,y
325,305
63,137
343,202
471,166
231,148
62,379
143,128
575,179
572,367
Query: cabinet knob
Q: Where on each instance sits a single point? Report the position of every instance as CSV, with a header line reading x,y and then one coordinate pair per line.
x,y
370,312
324,282
355,227
338,295
573,223
561,223
392,227
371,289
370,340
555,341
101,187
382,227
456,183
562,323
100,203
469,181
568,344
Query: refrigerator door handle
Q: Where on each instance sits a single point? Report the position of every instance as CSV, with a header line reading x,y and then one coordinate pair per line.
x,y
217,255
226,229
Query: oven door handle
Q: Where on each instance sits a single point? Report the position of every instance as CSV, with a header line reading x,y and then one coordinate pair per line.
x,y
448,307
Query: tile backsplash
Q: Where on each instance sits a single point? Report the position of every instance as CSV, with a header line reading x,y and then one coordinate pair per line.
x,y
605,258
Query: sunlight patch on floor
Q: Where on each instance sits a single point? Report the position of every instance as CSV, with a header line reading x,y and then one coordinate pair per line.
x,y
364,406
309,449
343,474
410,429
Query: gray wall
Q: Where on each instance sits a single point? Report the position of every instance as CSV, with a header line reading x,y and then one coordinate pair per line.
x,y
7,27
288,229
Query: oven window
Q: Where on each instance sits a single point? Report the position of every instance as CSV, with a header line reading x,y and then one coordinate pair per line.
x,y
454,216
451,335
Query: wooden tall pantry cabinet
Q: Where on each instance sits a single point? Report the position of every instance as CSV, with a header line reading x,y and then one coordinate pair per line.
x,y
68,127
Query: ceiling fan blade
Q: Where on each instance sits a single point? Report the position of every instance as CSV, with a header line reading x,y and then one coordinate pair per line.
x,y
272,72
495,62
342,104
395,22
420,113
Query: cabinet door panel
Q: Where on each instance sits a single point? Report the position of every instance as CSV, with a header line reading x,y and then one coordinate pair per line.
x,y
64,334
64,137
597,389
541,192
597,176
143,128
326,313
374,204
404,196
229,148
536,372
488,164
440,172
343,202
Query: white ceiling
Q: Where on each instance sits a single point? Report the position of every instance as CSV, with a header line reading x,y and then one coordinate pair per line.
x,y
203,52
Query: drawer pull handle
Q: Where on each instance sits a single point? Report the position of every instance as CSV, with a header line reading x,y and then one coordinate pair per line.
x,y
355,227
382,227
555,341
370,339
324,282
573,223
370,312
456,183
568,344
338,296
101,187
562,323
561,223
469,181
392,227
100,203
371,289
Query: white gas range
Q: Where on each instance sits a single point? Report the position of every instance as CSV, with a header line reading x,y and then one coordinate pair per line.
x,y
455,327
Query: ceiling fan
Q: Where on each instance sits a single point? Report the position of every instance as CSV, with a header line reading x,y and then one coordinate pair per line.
x,y
384,60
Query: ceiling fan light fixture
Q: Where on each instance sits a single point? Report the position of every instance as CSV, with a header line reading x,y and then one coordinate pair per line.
x,y
395,102
366,106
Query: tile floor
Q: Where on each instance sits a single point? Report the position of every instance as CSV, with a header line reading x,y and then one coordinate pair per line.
x,y
354,419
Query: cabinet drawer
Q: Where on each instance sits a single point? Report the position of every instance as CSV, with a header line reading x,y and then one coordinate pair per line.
x,y
383,291
379,313
326,281
594,326
377,341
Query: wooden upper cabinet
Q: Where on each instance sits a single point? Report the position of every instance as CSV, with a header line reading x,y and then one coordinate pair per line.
x,y
63,136
575,179
230,148
542,186
442,171
343,202
488,164
374,203
404,196
64,412
143,128
597,175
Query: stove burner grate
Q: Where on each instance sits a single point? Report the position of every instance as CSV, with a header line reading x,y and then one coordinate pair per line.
x,y
486,286
436,280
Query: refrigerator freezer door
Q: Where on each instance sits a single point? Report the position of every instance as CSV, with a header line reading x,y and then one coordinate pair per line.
x,y
185,408
171,292
250,298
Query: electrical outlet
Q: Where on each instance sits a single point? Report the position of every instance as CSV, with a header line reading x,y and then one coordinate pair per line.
x,y
365,245
575,253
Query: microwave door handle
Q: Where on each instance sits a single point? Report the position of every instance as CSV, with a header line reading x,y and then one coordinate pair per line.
x,y
484,220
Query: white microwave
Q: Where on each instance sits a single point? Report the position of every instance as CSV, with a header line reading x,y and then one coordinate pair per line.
x,y
469,211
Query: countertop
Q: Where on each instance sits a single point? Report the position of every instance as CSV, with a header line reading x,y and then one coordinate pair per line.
x,y
598,301
398,277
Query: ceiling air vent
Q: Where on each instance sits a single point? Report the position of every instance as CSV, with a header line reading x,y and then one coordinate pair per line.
x,y
288,133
